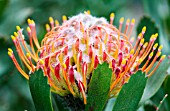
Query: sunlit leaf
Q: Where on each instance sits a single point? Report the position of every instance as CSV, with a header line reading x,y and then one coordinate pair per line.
x,y
164,106
99,88
110,104
40,91
166,88
155,81
131,93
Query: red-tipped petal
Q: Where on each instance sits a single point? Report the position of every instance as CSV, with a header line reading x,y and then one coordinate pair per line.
x,y
71,75
42,53
81,86
90,51
46,61
99,28
104,56
85,36
120,56
109,46
62,41
96,42
100,32
117,71
77,44
66,50
121,44
113,64
96,61
84,68
57,71
123,68
67,63
48,72
57,53
80,56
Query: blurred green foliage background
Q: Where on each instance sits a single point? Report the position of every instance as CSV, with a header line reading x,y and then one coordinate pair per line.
x,y
14,90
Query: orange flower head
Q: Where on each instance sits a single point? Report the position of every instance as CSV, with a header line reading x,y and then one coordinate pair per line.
x,y
70,52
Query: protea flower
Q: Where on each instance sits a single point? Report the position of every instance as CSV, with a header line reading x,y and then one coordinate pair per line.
x,y
69,53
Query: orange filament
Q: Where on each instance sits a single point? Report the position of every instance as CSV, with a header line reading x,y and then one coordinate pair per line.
x,y
17,65
127,26
31,43
26,48
131,27
162,58
139,38
120,23
152,63
34,35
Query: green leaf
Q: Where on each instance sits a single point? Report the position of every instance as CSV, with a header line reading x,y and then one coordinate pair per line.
x,y
150,28
4,68
40,91
15,16
99,88
166,88
150,7
149,107
102,9
131,93
155,81
110,104
166,84
3,4
164,106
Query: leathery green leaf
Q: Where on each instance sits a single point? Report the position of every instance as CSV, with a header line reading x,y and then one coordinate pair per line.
x,y
99,88
131,93
40,91
155,81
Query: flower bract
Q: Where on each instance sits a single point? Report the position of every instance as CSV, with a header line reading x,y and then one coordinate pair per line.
x,y
70,52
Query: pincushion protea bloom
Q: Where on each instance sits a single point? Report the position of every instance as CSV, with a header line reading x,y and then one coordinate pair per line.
x,y
69,53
